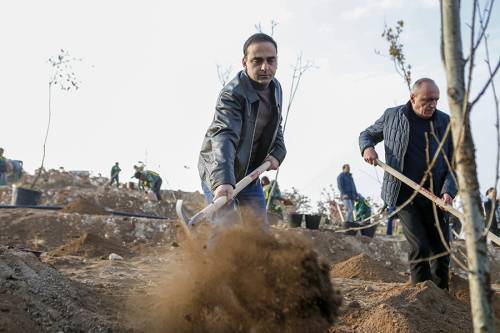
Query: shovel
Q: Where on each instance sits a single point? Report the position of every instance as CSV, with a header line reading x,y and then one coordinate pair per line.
x,y
432,197
208,211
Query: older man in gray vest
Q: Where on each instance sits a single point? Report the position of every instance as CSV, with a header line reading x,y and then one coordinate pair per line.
x,y
410,132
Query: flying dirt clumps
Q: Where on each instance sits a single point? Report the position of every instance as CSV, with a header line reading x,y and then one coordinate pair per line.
x,y
90,246
247,280
365,268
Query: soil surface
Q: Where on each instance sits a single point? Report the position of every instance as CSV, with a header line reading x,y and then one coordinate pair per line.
x,y
90,246
365,268
56,276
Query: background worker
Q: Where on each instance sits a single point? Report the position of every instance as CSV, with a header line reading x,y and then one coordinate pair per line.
x,y
362,212
151,180
490,206
3,168
348,193
115,172
274,197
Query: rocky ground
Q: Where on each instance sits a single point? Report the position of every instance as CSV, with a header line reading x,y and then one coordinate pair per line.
x,y
57,275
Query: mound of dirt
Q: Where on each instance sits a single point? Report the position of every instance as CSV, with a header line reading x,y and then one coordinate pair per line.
x,y
364,267
47,230
247,281
90,246
459,288
84,205
404,309
36,298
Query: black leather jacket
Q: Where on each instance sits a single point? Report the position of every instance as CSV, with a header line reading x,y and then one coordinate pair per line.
x,y
227,148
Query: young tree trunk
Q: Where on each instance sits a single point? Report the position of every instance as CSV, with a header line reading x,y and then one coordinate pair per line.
x,y
479,274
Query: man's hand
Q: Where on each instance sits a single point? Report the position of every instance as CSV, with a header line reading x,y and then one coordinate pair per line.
x,y
224,190
274,162
370,155
447,199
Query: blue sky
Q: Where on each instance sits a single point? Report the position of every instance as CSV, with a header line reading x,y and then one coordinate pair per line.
x,y
149,81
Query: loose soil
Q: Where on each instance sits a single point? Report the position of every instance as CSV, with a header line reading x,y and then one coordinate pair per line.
x,y
365,268
37,298
247,280
84,205
384,307
240,280
90,246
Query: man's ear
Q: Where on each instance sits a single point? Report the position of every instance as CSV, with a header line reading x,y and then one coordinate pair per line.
x,y
412,98
243,62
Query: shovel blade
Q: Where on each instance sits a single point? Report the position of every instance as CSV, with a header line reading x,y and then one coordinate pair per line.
x,y
183,218
180,211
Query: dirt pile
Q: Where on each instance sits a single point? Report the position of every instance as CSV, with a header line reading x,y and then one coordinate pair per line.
x,y
61,187
385,308
459,287
90,246
365,268
84,205
247,281
36,298
47,230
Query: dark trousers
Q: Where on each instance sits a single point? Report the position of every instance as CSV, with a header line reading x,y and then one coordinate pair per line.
x,y
420,230
114,179
390,221
156,188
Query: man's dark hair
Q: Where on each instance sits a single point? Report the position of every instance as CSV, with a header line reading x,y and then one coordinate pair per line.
x,y
265,180
137,175
258,38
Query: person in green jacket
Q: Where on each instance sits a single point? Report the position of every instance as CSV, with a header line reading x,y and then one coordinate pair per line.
x,y
276,197
150,179
115,172
362,211
3,168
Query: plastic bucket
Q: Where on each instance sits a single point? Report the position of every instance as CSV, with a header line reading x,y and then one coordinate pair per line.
x,y
25,196
312,221
295,220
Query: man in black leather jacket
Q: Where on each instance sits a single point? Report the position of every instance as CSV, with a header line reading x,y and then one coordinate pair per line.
x,y
246,129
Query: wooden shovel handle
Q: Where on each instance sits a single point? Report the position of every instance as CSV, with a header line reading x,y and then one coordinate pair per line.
x,y
426,193
221,201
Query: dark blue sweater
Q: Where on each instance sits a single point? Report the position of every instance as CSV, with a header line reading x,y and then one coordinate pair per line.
x,y
415,157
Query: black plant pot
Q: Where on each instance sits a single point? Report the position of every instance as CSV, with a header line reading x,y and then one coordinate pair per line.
x,y
312,221
22,196
295,220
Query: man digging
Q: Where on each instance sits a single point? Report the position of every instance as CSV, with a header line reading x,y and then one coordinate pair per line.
x,y
245,131
404,130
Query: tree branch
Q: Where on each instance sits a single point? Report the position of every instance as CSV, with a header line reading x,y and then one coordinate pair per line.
x,y
490,80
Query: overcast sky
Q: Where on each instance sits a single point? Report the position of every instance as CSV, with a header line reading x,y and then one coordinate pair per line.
x,y
149,81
